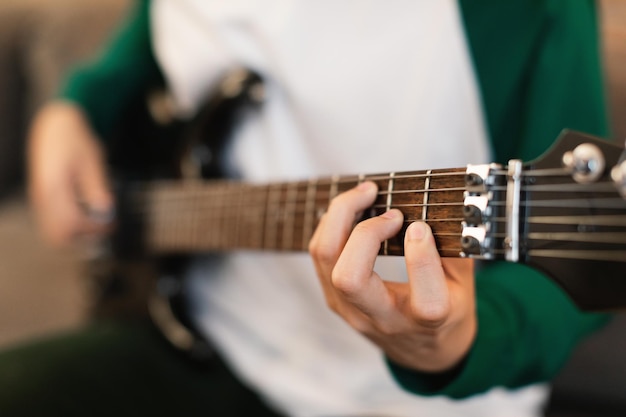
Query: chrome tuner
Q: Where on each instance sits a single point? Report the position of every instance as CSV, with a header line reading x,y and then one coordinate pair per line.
x,y
586,162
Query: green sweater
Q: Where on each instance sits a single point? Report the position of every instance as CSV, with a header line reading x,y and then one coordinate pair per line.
x,y
537,64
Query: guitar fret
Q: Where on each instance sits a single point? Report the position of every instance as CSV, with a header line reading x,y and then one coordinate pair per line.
x,y
238,231
194,221
322,201
257,213
213,235
210,232
273,202
426,194
223,212
230,220
309,213
389,191
233,193
334,183
289,215
388,207
221,216
253,219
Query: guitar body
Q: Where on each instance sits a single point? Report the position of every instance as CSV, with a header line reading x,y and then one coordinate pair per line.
x,y
127,280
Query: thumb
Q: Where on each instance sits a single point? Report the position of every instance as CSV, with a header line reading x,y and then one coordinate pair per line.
x,y
430,297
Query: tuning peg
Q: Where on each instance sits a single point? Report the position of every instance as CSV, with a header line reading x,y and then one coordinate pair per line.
x,y
586,162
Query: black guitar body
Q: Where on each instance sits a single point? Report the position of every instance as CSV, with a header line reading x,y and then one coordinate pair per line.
x,y
152,144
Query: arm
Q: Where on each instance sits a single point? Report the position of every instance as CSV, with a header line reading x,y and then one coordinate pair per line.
x,y
106,87
540,75
67,177
442,336
527,75
526,327
426,324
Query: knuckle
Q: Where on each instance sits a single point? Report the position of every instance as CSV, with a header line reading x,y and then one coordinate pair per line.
x,y
324,253
344,283
431,315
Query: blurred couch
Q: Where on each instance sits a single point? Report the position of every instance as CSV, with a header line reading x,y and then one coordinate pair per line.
x,y
41,39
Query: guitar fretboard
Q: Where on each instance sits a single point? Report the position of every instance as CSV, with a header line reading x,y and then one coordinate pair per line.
x,y
573,229
199,216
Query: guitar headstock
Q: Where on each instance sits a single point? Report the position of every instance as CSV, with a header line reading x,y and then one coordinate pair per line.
x,y
572,219
563,213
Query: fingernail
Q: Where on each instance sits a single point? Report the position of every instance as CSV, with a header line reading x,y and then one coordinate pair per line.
x,y
416,231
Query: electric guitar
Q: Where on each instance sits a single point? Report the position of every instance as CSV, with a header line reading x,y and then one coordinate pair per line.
x,y
563,213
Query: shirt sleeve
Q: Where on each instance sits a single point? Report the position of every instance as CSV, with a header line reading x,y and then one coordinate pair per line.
x,y
527,329
105,87
528,56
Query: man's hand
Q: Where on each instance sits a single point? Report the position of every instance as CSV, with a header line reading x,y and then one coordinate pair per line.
x,y
428,323
68,186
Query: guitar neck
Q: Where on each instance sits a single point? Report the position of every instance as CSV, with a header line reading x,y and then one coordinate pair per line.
x,y
199,216
563,213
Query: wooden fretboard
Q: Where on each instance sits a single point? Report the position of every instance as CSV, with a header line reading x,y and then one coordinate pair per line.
x,y
199,216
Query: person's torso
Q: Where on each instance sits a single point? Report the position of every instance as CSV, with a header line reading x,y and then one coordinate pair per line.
x,y
352,87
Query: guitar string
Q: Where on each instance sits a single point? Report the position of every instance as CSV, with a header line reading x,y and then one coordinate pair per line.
x,y
616,255
320,181
602,256
220,198
615,221
213,189
609,203
595,237
446,172
347,179
192,205
571,202
424,174
342,180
